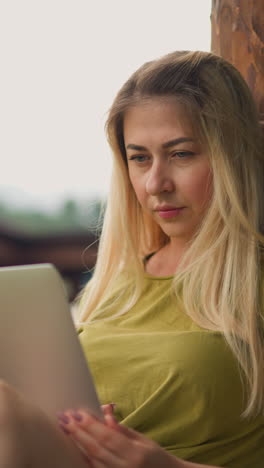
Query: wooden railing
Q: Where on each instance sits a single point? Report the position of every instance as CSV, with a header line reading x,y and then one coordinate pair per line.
x,y
70,253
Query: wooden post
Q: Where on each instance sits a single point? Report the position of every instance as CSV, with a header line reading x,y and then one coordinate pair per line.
x,y
238,36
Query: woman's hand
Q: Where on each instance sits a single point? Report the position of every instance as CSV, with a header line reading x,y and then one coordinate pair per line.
x,y
112,445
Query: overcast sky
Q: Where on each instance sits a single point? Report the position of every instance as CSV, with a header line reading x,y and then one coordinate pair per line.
x,y
62,62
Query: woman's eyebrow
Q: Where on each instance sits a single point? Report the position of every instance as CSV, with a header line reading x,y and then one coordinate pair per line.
x,y
177,141
166,145
136,147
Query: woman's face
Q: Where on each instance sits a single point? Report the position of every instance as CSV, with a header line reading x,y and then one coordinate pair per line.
x,y
168,168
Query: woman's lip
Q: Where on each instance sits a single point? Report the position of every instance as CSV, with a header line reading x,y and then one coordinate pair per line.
x,y
170,213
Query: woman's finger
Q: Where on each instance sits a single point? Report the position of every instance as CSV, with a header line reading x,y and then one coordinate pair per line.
x,y
128,432
110,438
112,422
108,409
101,457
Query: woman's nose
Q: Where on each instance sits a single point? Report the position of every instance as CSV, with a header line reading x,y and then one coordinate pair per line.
x,y
159,180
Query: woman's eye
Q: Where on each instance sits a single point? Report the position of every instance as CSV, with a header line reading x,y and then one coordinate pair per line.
x,y
142,158
139,158
183,154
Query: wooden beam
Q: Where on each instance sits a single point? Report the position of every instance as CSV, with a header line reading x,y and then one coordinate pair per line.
x,y
238,36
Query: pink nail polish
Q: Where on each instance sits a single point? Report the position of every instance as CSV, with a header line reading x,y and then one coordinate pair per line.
x,y
63,418
77,416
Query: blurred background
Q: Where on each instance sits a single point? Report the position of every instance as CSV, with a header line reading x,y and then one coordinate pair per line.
x,y
62,62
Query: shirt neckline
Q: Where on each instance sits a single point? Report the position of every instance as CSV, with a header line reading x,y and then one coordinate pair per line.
x,y
148,275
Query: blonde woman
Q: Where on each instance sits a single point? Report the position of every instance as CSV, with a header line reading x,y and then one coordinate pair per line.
x,y
172,320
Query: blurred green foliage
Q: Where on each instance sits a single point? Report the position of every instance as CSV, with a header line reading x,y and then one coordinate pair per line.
x,y
72,216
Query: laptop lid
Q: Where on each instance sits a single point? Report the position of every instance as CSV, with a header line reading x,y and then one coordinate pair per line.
x,y
40,353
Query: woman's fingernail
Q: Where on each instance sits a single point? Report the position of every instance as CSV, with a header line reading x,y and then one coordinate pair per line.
x,y
63,418
63,428
113,406
77,416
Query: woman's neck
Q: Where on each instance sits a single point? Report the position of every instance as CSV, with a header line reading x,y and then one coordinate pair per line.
x,y
165,261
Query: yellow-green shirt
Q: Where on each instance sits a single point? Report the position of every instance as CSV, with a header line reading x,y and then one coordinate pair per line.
x,y
173,381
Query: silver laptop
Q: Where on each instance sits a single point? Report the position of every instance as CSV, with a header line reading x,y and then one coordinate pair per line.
x,y
40,353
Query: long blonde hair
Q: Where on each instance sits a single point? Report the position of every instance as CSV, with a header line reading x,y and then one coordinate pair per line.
x,y
220,274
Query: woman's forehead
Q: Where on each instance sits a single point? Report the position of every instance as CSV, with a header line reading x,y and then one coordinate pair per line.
x,y
159,113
